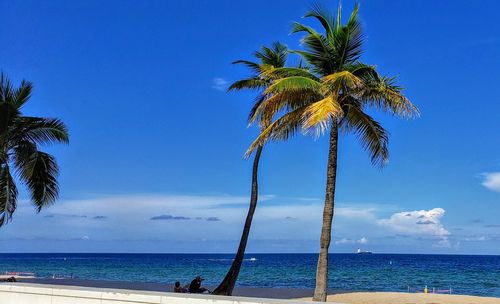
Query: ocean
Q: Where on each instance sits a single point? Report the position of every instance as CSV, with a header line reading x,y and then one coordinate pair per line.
x,y
463,274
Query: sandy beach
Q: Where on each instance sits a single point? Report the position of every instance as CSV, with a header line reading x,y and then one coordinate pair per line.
x,y
346,297
406,298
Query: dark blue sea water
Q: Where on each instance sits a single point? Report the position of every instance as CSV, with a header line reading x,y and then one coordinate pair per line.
x,y
475,275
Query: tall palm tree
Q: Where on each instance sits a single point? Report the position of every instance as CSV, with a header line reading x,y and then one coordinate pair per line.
x,y
20,137
269,58
332,94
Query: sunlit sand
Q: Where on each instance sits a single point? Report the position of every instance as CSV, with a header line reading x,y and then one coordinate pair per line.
x,y
406,298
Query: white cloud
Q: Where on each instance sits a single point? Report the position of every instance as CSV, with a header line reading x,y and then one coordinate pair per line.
x,y
129,216
220,84
476,238
175,217
426,223
218,218
356,213
491,181
344,241
363,240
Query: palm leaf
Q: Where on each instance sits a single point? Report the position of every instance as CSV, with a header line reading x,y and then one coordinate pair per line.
x,y
281,129
373,137
283,72
8,112
275,55
321,113
8,195
363,71
271,105
254,67
40,130
348,40
23,93
249,83
342,80
384,95
39,172
7,91
323,16
252,116
293,83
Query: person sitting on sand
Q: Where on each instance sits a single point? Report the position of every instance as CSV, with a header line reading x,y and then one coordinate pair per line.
x,y
178,288
195,286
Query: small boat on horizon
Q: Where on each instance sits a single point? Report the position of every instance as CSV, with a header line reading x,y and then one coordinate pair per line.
x,y
363,251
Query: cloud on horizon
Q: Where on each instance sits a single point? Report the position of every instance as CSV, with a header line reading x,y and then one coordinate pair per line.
x,y
363,241
136,219
492,226
213,219
166,217
419,223
65,215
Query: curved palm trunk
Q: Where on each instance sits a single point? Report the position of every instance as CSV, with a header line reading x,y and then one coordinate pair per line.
x,y
227,285
320,292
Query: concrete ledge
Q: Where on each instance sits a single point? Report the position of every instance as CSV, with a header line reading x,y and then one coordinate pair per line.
x,y
27,293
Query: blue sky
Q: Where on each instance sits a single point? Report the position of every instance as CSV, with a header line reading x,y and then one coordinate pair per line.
x,y
156,162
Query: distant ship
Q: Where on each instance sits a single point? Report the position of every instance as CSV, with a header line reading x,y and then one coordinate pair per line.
x,y
363,252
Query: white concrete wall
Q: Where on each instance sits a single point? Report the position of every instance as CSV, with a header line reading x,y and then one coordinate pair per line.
x,y
24,293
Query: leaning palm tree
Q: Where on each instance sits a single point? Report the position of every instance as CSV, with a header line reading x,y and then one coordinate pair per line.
x,y
332,94
20,138
269,58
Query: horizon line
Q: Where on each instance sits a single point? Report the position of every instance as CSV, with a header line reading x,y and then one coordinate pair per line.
x,y
258,253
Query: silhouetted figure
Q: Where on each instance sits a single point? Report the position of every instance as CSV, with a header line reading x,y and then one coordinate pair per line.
x,y
178,288
195,286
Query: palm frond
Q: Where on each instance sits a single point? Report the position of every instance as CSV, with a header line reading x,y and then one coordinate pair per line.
x,y
338,21
39,171
324,17
8,112
7,91
385,95
23,156
22,93
281,129
363,71
275,55
283,101
373,137
254,67
348,40
283,72
249,83
320,114
320,63
252,116
342,80
293,83
40,130
320,52
8,195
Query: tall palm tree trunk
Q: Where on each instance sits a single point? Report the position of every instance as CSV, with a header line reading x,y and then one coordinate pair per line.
x,y
320,292
227,285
